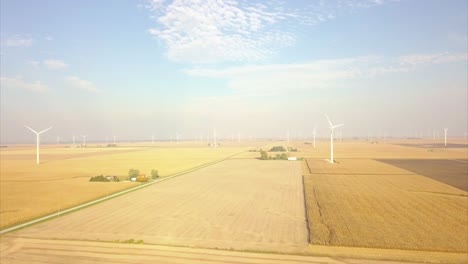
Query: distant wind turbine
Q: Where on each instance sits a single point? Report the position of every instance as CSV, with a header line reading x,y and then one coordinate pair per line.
x,y
445,135
332,128
214,137
37,140
315,133
84,139
73,140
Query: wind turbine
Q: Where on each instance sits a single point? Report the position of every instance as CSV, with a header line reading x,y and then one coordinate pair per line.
x,y
84,139
73,140
37,140
445,135
332,128
214,138
315,133
114,140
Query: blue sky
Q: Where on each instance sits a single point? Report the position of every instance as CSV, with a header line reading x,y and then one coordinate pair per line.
x,y
259,68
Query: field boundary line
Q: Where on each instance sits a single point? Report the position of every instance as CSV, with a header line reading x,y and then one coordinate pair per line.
x,y
305,211
108,197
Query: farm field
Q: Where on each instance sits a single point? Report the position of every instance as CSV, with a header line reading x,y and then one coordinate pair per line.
x,y
370,204
234,204
451,172
28,191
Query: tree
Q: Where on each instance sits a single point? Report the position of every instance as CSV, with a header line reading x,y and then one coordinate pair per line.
x,y
284,156
263,155
98,178
132,173
278,148
154,174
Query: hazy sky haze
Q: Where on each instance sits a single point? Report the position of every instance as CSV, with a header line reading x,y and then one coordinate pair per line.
x,y
256,68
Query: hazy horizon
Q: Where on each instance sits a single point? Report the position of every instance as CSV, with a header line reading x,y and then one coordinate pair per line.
x,y
258,68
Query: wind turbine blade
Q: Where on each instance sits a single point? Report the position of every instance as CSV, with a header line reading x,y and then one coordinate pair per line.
x,y
337,126
31,129
329,122
44,130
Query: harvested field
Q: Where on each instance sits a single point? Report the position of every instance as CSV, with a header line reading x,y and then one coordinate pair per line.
x,y
240,204
435,145
451,172
24,250
366,203
28,191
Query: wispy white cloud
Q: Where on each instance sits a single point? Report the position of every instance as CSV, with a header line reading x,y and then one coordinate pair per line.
x,y
214,31
19,83
280,78
18,41
54,64
217,31
81,84
437,58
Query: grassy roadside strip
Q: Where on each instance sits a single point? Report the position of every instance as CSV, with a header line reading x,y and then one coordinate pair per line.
x,y
108,197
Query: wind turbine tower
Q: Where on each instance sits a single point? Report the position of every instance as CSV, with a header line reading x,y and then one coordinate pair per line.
x,y
445,136
214,138
332,128
84,139
37,140
315,133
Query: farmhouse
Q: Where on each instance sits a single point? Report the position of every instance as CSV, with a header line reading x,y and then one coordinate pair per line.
x,y
111,178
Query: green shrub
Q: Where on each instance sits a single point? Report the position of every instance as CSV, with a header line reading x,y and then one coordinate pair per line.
x,y
277,149
154,174
263,155
133,173
98,178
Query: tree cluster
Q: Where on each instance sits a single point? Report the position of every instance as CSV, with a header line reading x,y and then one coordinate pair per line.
x,y
264,156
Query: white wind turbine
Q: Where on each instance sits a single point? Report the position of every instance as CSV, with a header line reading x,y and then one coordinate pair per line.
x,y
214,138
84,139
73,140
315,133
332,128
37,140
445,136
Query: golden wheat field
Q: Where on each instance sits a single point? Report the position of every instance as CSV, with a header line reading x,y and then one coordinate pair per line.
x,y
378,201
28,190
239,204
361,202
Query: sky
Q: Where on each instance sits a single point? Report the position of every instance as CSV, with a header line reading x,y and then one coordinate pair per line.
x,y
133,69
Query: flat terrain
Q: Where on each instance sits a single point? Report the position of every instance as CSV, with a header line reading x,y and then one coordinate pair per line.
x,y
25,250
451,172
240,204
366,203
29,191
391,200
